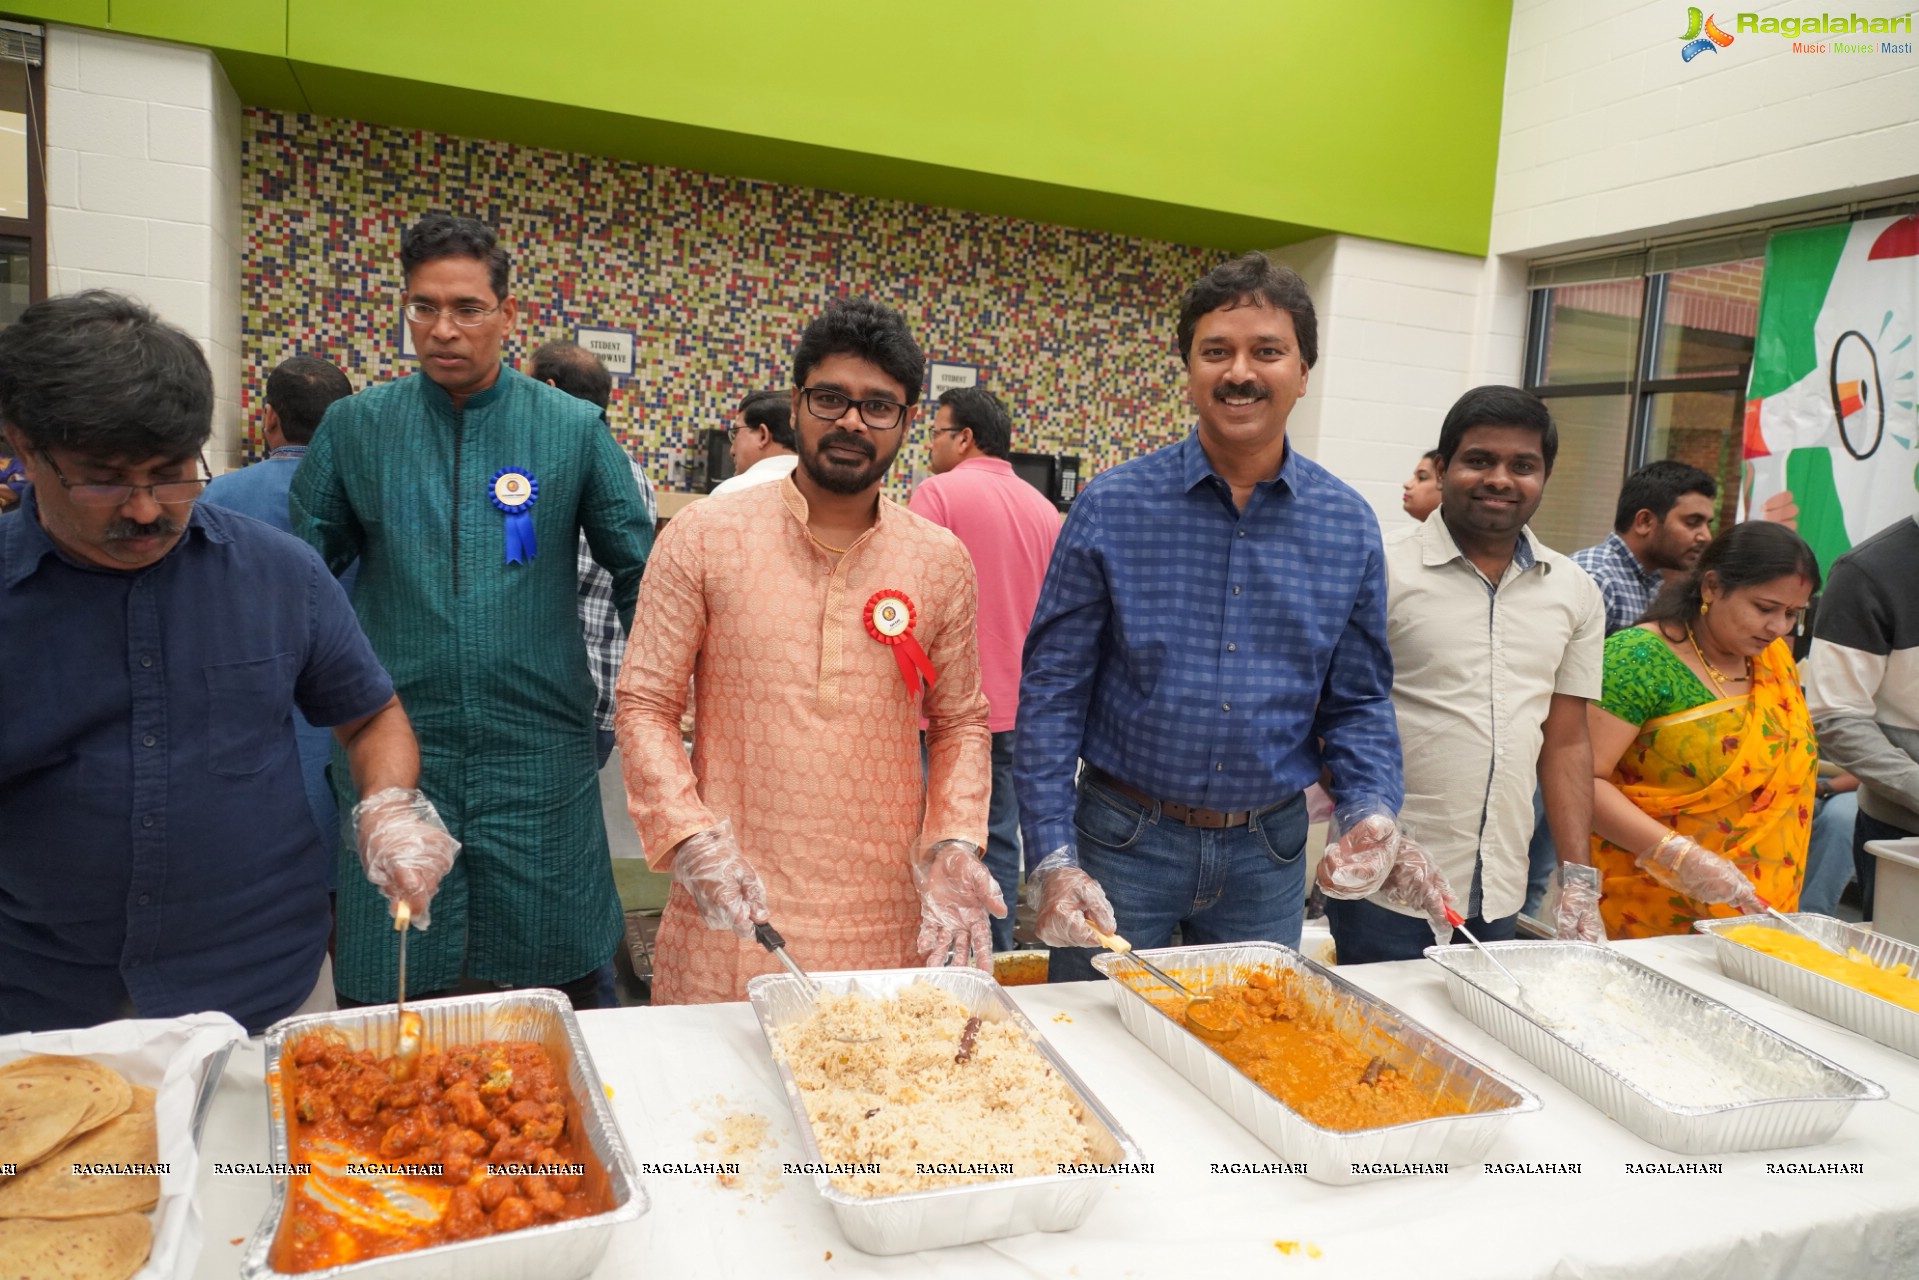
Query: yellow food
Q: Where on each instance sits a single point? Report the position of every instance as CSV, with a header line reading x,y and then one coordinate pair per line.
x,y
1853,968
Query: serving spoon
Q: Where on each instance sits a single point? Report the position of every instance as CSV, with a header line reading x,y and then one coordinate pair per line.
x,y
770,938
406,1050
1217,1032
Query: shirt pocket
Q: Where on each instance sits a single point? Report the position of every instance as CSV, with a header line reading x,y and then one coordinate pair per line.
x,y
249,714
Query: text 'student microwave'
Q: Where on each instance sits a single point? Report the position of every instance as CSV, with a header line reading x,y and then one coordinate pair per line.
x,y
1055,475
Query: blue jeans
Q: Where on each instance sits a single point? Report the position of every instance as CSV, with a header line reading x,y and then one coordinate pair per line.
x,y
1364,932
1829,853
1542,857
1237,884
1002,837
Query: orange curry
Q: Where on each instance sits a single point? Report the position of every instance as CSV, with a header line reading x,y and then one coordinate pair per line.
x,y
476,1142
1289,1049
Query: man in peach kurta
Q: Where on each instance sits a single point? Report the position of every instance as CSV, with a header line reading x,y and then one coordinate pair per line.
x,y
804,802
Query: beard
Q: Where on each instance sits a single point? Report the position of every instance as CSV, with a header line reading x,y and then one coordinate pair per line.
x,y
842,478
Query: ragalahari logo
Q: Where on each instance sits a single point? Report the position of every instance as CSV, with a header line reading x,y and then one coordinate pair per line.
x,y
1702,35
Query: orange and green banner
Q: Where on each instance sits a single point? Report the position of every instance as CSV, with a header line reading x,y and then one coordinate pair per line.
x,y
1832,435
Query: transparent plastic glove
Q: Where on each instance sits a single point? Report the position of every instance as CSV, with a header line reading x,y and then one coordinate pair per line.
x,y
1572,903
722,883
1066,896
957,893
1683,865
1415,882
404,848
1361,844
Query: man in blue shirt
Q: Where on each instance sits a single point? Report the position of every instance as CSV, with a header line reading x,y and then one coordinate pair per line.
x,y
298,393
1211,636
159,856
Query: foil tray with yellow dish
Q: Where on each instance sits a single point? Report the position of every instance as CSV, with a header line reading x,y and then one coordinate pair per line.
x,y
1021,968
1374,1094
495,1158
1858,979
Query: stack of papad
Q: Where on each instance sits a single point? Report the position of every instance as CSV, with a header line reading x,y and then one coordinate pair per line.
x,y
55,1224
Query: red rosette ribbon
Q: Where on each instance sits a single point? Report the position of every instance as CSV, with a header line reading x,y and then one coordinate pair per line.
x,y
889,619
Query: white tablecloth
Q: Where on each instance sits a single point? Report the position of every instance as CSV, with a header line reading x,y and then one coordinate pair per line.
x,y
666,1066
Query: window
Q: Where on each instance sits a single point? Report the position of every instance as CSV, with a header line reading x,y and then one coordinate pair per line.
x,y
1642,368
22,171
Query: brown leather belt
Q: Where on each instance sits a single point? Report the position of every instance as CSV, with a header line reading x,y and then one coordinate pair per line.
x,y
1209,819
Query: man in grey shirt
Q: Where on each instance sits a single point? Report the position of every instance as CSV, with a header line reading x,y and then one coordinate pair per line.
x,y
1862,684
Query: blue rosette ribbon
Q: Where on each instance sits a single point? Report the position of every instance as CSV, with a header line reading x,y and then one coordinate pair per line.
x,y
514,492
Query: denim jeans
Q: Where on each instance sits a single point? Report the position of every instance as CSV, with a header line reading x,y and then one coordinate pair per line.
x,y
1364,932
1002,837
1829,853
1866,827
1541,856
1237,884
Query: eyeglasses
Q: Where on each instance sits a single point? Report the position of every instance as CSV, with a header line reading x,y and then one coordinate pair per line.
x,y
947,431
465,317
168,493
831,406
733,430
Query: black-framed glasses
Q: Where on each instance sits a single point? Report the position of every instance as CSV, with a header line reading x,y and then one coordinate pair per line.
x,y
467,317
831,406
168,493
733,430
947,431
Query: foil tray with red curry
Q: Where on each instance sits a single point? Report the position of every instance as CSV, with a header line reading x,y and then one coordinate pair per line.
x,y
475,1142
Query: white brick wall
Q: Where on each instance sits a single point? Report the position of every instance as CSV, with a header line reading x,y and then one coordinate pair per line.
x,y
1609,136
143,193
1402,333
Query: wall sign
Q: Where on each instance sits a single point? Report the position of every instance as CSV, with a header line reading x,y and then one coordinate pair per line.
x,y
614,347
946,377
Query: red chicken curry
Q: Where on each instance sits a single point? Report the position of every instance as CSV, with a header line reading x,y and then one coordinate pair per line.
x,y
476,1142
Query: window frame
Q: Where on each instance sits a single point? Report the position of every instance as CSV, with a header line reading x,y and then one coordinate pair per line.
x,y
1640,389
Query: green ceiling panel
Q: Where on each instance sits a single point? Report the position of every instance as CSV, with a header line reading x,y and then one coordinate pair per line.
x,y
1246,122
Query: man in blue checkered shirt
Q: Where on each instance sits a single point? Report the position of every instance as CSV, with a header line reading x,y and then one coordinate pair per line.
x,y
579,373
1210,638
1663,522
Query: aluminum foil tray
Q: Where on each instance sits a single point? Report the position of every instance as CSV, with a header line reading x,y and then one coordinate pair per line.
x,y
1856,1010
916,1220
1806,1117
1330,1155
551,1251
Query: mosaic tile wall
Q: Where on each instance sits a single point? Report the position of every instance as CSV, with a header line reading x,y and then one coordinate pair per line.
x,y
714,276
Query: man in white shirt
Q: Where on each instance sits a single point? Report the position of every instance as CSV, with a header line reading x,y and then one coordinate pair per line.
x,y
1497,644
761,442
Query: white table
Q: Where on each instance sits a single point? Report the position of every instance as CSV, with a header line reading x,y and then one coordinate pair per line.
x,y
1601,1224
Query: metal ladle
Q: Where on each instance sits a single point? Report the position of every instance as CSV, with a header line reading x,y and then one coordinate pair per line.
x,y
1217,1033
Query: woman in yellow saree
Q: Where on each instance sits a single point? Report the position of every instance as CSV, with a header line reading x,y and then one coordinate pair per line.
x,y
1704,760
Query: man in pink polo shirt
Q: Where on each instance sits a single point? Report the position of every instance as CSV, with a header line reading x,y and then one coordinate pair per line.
x,y
1009,529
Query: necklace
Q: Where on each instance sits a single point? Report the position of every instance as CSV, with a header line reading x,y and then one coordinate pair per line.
x,y
1718,677
840,551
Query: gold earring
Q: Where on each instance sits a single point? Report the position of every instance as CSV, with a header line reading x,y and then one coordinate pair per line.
x,y
1703,606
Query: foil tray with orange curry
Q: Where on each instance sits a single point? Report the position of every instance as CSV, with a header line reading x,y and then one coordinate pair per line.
x,y
475,1142
1288,1046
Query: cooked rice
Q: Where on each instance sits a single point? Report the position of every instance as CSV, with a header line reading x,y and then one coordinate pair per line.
x,y
1005,1104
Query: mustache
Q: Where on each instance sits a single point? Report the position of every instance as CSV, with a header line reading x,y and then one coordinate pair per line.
x,y
846,439
122,529
1252,390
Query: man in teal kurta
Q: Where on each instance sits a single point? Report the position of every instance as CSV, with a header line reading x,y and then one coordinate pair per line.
x,y
425,481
